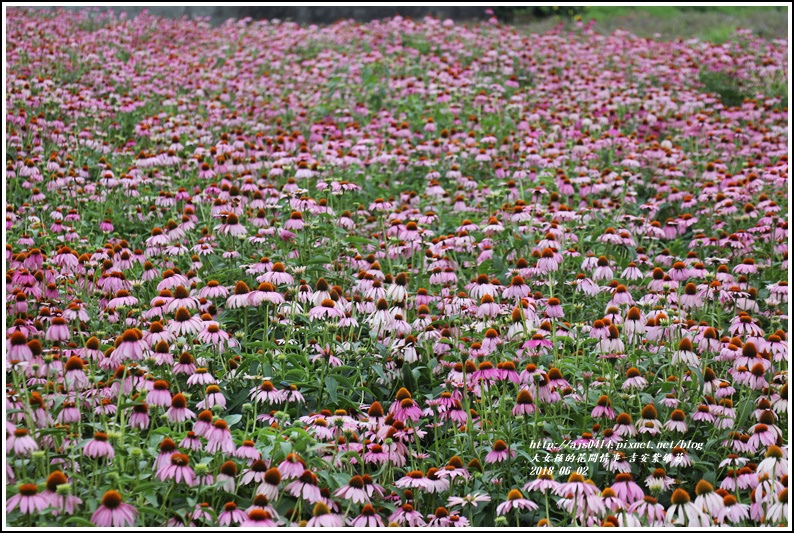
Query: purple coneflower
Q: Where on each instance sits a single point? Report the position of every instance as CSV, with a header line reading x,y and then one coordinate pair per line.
x,y
231,515
113,512
270,483
99,447
21,442
414,479
323,517
499,453
179,470
515,500
258,518
626,489
682,512
368,518
59,494
28,500
219,438
405,514
305,487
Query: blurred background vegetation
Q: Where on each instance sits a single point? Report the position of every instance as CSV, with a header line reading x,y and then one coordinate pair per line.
x,y
708,23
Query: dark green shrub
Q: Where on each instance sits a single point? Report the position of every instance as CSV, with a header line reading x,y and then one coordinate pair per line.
x,y
723,85
508,13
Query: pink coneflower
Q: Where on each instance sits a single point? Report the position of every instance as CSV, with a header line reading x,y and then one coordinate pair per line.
x,y
182,298
683,512
554,308
28,500
167,448
684,354
202,513
354,491
114,512
485,373
184,365
323,517
406,514
368,518
241,296
247,450
375,454
179,470
407,410
602,271
677,422
21,442
58,494
277,275
524,404
732,511
292,466
305,487
231,515
213,290
325,354
544,483
58,330
267,393
603,408
99,447
327,309
518,288
470,499
515,500
18,349
611,502
227,475
157,334
626,489
201,377
439,483
265,292
762,435
184,323
775,463
576,487
295,222
649,509
777,513
231,226
159,396
255,473
131,346
122,299
415,479
499,453
270,483
191,442
219,438
178,412
678,457
213,396
707,499
634,380
648,422
259,518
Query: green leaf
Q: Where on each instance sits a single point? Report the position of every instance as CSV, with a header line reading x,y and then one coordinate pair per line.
x,y
331,385
233,419
408,379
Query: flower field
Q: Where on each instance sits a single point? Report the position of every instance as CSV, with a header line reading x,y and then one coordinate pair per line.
x,y
403,272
